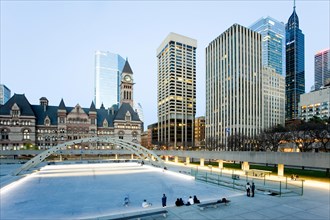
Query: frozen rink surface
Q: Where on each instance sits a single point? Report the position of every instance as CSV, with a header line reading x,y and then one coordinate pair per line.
x,y
92,190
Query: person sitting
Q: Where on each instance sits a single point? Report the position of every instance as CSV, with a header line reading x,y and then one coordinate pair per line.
x,y
181,203
177,202
126,200
196,200
190,201
223,200
146,204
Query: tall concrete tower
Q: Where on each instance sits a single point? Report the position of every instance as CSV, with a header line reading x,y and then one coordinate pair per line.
x,y
176,91
233,86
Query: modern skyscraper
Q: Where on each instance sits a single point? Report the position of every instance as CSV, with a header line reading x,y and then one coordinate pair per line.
x,y
295,66
108,69
233,86
5,94
273,97
176,91
273,43
322,68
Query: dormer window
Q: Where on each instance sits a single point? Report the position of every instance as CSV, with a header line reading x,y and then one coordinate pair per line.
x,y
128,116
15,111
105,123
47,121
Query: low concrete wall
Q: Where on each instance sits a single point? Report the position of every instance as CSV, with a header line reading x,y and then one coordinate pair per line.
x,y
317,160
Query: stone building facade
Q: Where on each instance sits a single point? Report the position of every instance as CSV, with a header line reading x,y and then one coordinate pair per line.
x,y
42,126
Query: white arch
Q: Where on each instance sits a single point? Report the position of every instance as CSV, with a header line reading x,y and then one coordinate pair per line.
x,y
135,148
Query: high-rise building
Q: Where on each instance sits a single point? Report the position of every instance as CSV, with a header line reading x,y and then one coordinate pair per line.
x,y
295,66
273,97
233,86
176,91
321,68
5,94
273,43
108,70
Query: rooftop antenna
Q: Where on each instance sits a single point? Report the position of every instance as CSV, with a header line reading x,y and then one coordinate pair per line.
x,y
294,5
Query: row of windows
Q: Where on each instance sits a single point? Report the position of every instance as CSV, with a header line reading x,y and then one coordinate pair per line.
x,y
15,122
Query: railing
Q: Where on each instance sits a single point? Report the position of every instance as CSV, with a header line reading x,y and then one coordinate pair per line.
x,y
236,180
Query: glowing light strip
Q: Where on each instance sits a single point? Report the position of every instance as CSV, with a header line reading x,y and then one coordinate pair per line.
x,y
15,184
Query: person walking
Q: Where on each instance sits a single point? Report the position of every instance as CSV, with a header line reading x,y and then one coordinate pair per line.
x,y
248,189
252,189
164,200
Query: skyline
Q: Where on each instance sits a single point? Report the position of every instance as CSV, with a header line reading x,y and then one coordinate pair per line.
x,y
35,35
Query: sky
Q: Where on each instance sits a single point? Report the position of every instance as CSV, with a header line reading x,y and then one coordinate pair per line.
x,y
48,47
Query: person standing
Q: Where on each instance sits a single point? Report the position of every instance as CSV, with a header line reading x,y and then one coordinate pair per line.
x,y
248,189
164,200
252,189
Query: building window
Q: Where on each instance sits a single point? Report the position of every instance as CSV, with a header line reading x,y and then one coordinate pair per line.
x,y
105,123
62,120
15,113
4,134
128,116
47,122
93,121
26,134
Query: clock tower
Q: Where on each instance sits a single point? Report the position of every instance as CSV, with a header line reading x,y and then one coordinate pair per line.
x,y
126,85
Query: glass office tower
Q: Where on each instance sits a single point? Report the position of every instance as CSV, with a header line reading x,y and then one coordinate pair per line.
x,y
321,68
108,68
5,94
295,66
273,43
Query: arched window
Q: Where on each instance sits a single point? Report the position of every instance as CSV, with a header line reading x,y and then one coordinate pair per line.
x,y
105,123
26,134
47,121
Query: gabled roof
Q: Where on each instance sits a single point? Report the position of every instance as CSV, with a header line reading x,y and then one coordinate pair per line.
x,y
21,101
123,110
127,68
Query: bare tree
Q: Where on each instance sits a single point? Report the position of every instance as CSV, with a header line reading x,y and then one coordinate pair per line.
x,y
237,142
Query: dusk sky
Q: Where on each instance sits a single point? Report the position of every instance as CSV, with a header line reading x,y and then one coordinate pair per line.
x,y
47,48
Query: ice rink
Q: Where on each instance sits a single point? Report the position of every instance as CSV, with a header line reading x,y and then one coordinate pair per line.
x,y
79,191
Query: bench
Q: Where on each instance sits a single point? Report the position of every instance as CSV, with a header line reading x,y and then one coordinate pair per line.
x,y
212,204
142,214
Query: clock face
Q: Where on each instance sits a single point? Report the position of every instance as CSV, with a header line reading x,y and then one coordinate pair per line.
x,y
127,78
